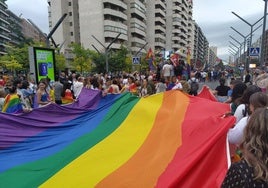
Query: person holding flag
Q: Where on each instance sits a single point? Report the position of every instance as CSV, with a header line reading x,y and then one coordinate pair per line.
x,y
150,59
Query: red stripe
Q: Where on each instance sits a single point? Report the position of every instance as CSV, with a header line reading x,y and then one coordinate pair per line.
x,y
201,160
150,161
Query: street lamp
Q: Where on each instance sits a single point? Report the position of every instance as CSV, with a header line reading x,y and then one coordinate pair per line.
x,y
263,34
54,29
251,30
245,41
231,51
240,46
107,49
235,54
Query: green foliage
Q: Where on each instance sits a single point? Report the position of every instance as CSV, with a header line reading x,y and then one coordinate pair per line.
x,y
60,62
92,61
98,61
82,61
18,54
117,60
10,63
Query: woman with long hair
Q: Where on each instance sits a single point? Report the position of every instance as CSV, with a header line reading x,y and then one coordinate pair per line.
x,y
256,100
252,170
42,95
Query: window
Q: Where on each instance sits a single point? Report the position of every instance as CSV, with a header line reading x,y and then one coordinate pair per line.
x,y
70,13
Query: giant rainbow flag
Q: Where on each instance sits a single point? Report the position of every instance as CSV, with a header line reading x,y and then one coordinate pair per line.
x,y
165,140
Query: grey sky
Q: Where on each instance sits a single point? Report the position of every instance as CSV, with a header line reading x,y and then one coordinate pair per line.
x,y
35,10
215,19
213,16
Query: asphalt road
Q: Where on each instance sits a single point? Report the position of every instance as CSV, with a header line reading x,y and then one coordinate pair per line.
x,y
212,84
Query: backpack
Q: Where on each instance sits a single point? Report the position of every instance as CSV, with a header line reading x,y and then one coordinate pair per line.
x,y
194,86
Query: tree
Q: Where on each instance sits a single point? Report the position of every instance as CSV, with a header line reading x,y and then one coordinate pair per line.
x,y
60,62
20,53
98,61
117,61
11,64
82,61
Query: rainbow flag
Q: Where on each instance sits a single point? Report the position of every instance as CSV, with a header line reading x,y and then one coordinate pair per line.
x,y
150,59
174,58
165,140
188,57
68,98
12,104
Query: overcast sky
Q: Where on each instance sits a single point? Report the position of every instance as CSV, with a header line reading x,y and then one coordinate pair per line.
x,y
213,16
215,19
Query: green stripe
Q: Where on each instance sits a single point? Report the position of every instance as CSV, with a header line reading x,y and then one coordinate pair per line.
x,y
36,173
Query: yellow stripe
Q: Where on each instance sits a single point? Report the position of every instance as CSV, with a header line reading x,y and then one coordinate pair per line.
x,y
104,158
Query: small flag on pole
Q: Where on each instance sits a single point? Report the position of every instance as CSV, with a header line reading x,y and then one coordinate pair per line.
x,y
150,59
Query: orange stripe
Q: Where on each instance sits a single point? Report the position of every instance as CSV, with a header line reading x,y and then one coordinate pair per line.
x,y
158,149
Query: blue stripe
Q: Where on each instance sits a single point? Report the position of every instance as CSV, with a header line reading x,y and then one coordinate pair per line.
x,y
59,137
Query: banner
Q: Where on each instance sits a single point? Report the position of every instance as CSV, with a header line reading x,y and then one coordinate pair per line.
x,y
164,140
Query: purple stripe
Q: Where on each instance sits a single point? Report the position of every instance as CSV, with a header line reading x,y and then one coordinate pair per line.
x,y
15,128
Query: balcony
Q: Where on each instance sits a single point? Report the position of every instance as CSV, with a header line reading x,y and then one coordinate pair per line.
x,y
138,12
176,30
159,2
117,3
134,21
161,12
115,24
116,13
3,5
160,28
137,40
138,31
160,44
160,36
4,37
176,38
110,34
160,20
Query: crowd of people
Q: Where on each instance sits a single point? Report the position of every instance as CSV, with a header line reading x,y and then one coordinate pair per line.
x,y
248,104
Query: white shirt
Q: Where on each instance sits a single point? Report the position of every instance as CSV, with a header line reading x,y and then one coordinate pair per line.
x,y
239,112
177,86
77,87
167,70
235,134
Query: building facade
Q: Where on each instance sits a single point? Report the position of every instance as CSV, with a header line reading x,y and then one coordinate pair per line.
x,y
14,29
4,27
201,48
136,24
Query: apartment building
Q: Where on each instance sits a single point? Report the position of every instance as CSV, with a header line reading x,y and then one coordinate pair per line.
x,y
103,24
15,28
212,55
137,28
31,30
4,27
180,30
201,48
156,24
136,24
67,31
